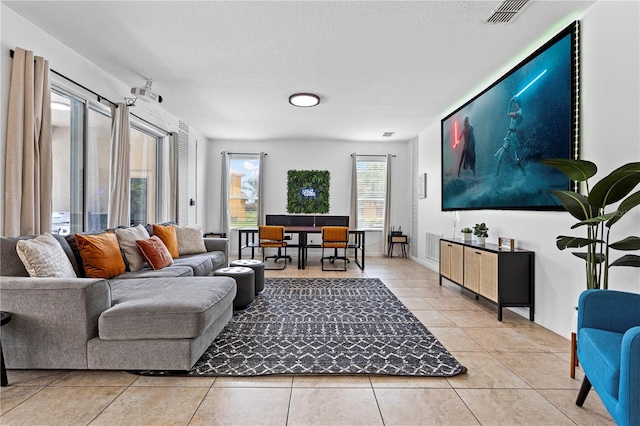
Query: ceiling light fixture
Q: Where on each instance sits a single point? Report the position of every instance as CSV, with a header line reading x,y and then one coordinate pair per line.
x,y
304,100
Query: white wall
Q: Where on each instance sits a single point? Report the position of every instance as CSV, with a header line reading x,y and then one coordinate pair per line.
x,y
18,32
333,156
610,93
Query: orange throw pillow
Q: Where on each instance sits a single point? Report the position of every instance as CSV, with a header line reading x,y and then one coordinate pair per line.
x,y
155,252
101,255
168,236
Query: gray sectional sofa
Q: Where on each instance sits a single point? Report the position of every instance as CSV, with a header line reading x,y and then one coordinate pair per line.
x,y
145,320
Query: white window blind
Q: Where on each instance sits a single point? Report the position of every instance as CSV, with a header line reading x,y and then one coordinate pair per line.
x,y
372,187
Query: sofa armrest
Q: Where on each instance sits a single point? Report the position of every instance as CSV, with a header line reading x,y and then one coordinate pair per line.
x,y
218,244
629,391
51,320
608,310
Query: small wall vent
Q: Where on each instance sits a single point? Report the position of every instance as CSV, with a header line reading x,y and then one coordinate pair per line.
x,y
506,11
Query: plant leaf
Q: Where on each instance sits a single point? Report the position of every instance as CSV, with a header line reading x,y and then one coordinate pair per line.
x,y
563,242
597,258
615,186
629,243
627,260
595,220
576,204
576,170
627,204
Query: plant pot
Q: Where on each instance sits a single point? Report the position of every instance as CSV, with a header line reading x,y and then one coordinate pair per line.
x,y
466,236
481,240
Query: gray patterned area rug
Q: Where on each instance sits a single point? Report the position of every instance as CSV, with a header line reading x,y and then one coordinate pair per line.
x,y
325,326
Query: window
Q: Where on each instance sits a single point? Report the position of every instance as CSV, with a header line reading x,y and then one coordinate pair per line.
x,y
372,188
81,138
143,166
80,183
96,172
244,178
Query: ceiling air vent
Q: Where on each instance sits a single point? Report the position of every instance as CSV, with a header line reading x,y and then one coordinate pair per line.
x,y
388,134
506,11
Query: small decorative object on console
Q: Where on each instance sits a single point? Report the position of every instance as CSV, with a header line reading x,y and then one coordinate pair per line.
x,y
506,243
466,233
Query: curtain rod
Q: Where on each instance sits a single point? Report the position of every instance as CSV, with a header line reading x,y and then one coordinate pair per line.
x,y
100,97
245,153
373,155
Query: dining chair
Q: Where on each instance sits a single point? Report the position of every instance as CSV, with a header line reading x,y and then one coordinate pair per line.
x,y
272,236
335,237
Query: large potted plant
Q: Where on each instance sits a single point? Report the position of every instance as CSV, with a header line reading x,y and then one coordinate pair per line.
x,y
589,208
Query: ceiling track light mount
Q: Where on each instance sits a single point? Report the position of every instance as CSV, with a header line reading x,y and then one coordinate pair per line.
x,y
304,100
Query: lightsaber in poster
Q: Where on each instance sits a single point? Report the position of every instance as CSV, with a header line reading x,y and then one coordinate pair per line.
x,y
529,85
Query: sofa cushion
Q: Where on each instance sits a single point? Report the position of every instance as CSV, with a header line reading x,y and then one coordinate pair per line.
x,y
167,233
200,263
603,348
44,257
11,264
127,238
190,240
165,308
101,257
155,252
176,271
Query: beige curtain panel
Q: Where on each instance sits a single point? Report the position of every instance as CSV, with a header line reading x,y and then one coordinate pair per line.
x,y
28,162
119,174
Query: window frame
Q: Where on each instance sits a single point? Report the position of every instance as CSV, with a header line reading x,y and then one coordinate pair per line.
x,y
242,156
80,148
370,159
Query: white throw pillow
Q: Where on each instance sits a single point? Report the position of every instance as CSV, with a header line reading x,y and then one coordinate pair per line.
x,y
190,240
43,256
127,238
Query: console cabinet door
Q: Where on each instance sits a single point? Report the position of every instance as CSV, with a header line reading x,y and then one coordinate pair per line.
x,y
488,275
445,259
471,269
452,261
457,263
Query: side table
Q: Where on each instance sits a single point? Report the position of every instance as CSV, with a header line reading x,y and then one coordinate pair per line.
x,y
5,317
403,240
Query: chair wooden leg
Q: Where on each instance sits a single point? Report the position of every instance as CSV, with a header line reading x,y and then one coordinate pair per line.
x,y
574,357
584,391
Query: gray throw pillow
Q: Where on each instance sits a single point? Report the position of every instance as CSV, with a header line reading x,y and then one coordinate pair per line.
x,y
127,238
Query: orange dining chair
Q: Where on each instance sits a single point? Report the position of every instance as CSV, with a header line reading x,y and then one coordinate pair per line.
x,y
273,237
335,237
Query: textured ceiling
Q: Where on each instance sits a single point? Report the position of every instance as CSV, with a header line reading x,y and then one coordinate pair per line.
x,y
228,68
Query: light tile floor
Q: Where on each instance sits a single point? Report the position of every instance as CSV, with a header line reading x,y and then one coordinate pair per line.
x,y
518,373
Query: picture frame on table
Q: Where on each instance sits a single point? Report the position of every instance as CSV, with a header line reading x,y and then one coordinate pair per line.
x,y
506,243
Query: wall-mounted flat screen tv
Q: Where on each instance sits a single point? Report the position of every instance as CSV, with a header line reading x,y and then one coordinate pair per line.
x,y
492,145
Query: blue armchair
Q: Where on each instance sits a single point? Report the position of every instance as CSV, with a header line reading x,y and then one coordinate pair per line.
x,y
609,351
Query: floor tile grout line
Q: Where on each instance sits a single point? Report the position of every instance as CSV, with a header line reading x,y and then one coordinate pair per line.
x,y
466,405
112,401
42,388
202,401
375,396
